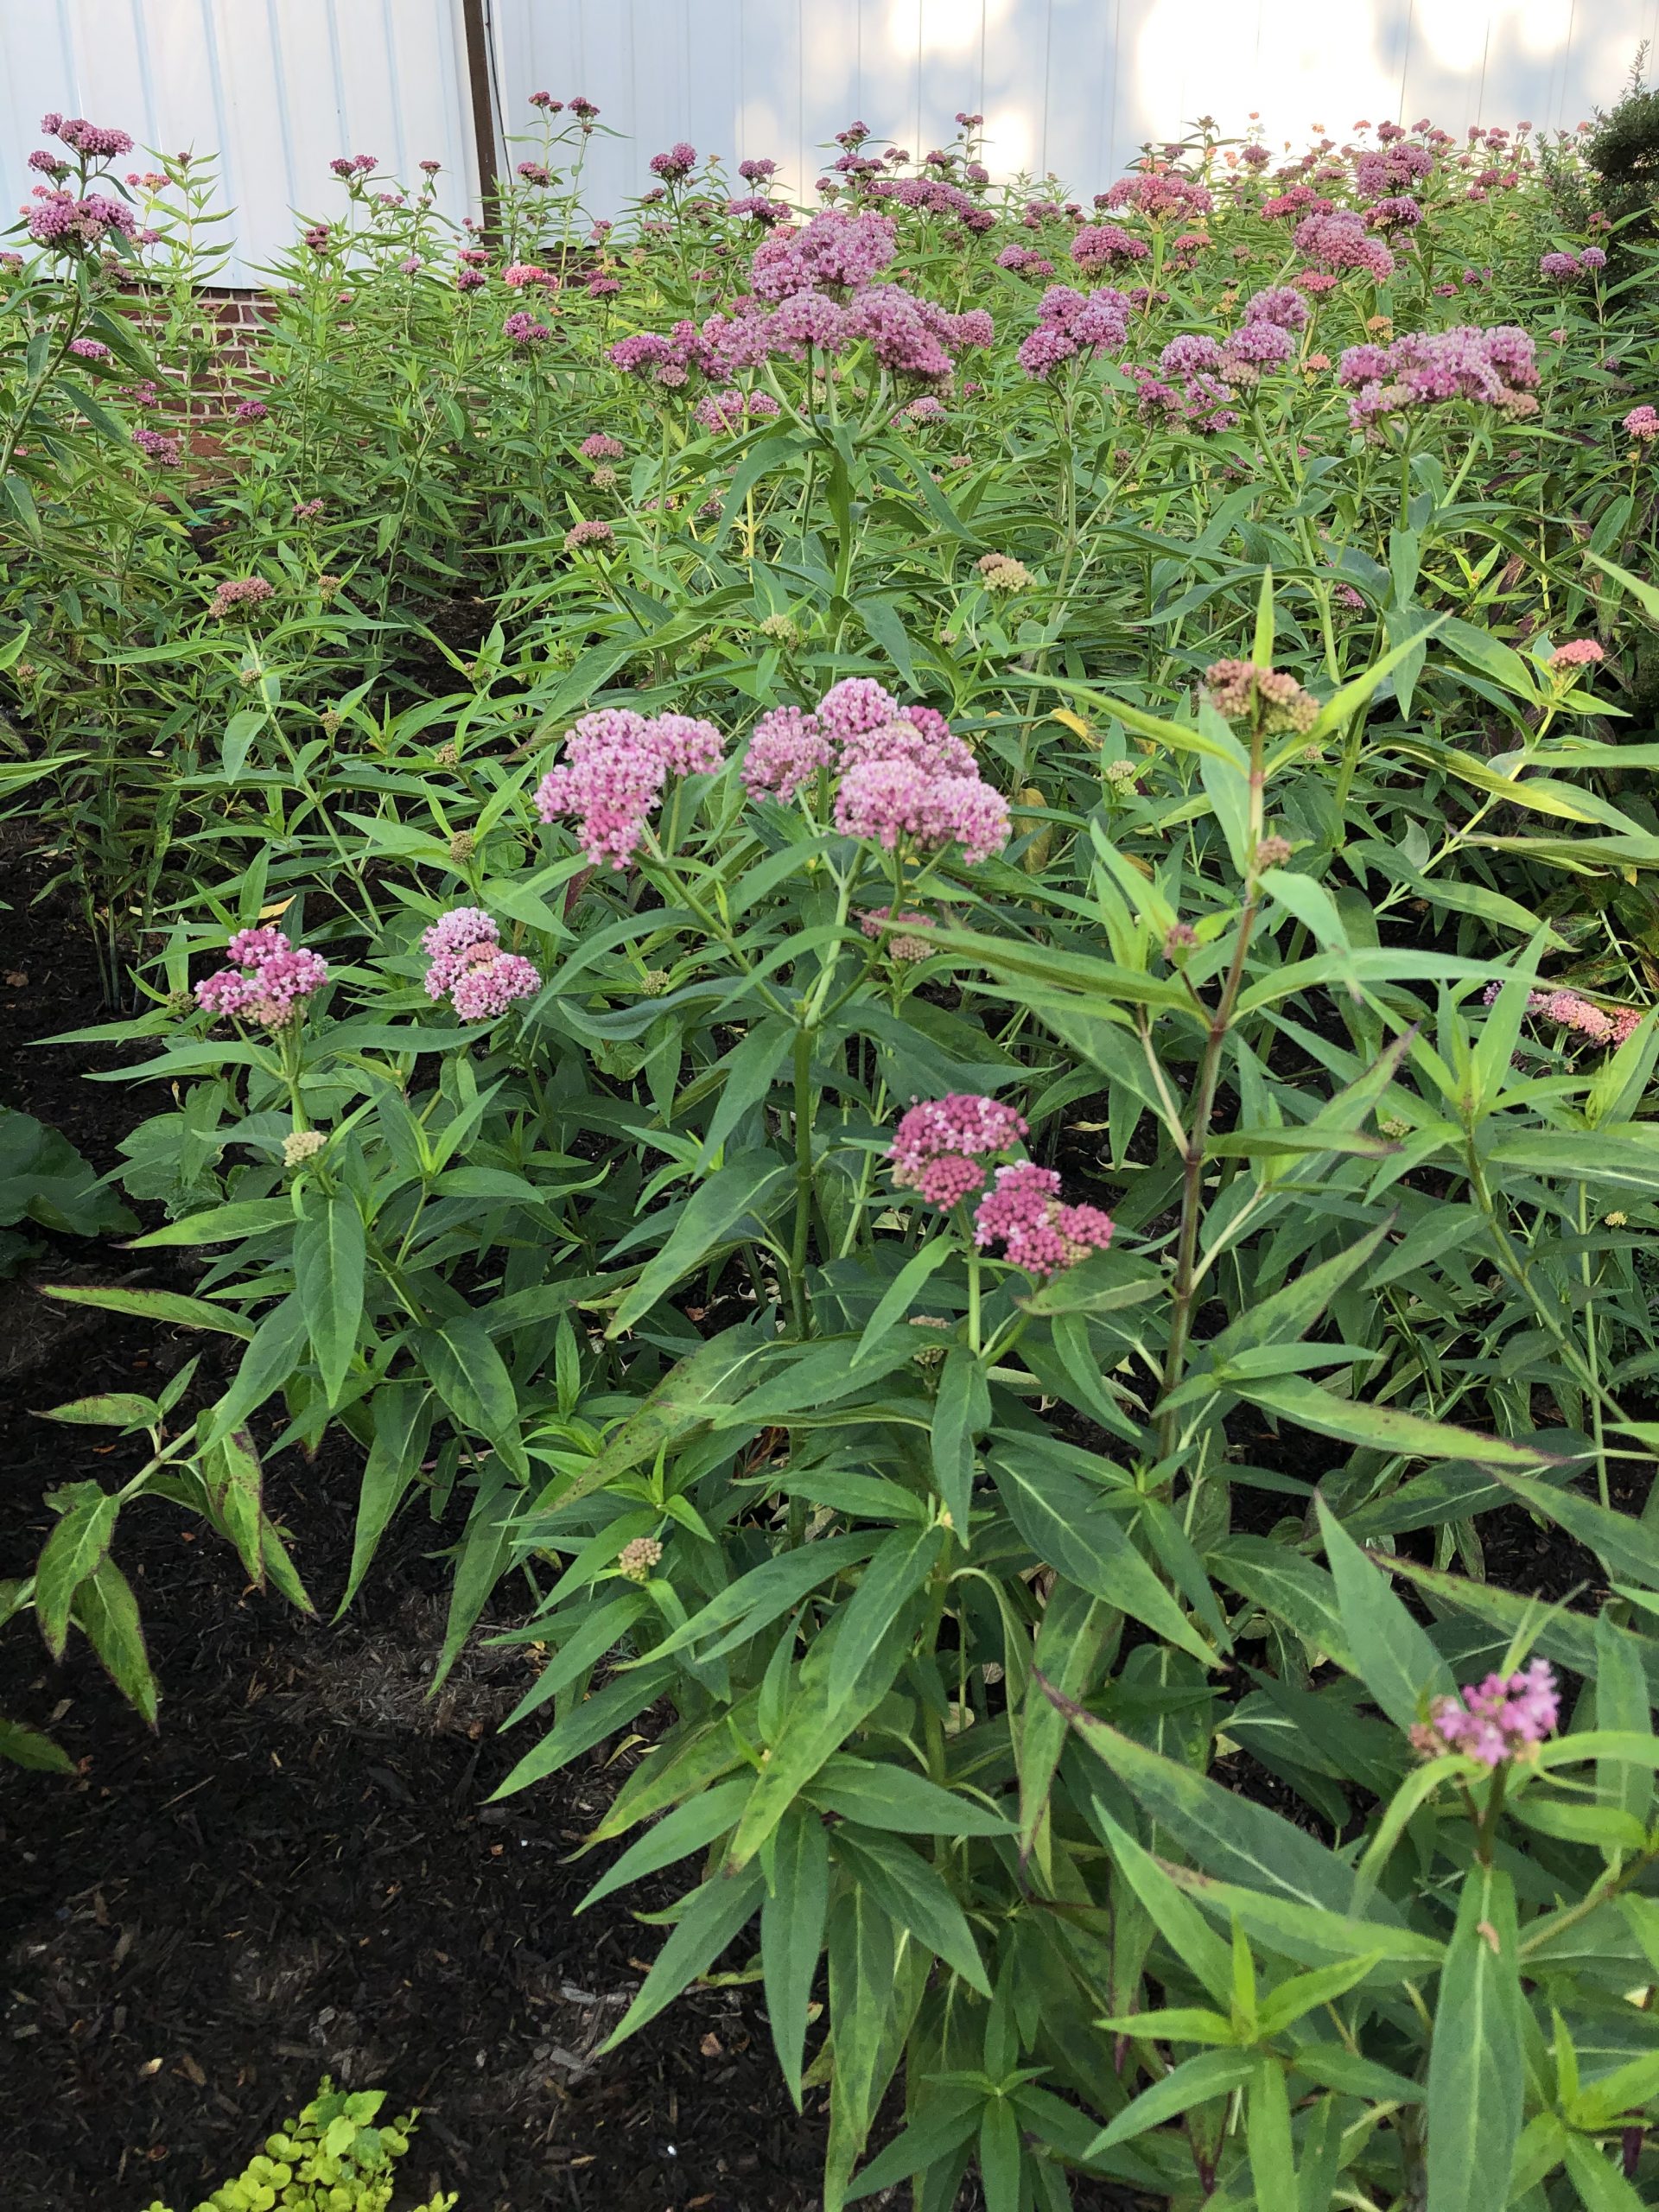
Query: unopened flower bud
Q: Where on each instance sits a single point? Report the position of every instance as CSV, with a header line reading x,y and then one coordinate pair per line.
x,y
654,982
1178,938
1272,851
447,754
300,1145
331,719
637,1558
1616,1220
781,628
1123,771
462,846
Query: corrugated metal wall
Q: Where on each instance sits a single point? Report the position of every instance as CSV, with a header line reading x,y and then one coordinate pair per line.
x,y
277,86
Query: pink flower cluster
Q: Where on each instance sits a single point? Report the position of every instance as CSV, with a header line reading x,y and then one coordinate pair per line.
x,y
1024,1212
725,410
1072,324
1158,195
939,1145
1642,423
238,591
1397,170
469,968
677,164
1577,652
1496,367
98,141
939,1150
611,779
1572,1011
1567,268
1340,240
269,981
522,329
932,195
1103,245
59,219
600,447
904,772
1502,1718
833,250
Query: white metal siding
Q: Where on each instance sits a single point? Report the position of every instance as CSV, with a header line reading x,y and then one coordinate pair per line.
x,y
275,88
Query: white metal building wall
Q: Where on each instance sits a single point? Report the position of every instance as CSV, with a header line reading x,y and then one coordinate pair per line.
x,y
1072,86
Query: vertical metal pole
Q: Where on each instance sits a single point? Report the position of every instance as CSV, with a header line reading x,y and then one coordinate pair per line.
x,y
477,79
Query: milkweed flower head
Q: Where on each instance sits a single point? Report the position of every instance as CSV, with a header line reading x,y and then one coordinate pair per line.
x,y
1279,304
470,968
611,779
1073,325
940,1145
1023,1211
1340,240
904,772
269,980
1577,652
1239,689
239,591
1504,1718
1570,1010
1642,423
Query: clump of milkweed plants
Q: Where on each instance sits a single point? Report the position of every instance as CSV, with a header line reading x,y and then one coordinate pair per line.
x,y
907,940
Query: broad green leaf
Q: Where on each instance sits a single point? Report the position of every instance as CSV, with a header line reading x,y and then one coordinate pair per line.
x,y
329,1249
471,1377
1229,1836
226,1224
1622,1707
753,1185
1476,2074
901,1564
74,1550
717,1911
883,1795
403,1423
896,1300
107,1609
792,1920
1384,1428
1393,1656
962,1411
27,1747
914,1894
1212,2073
170,1307
692,1827
1069,1529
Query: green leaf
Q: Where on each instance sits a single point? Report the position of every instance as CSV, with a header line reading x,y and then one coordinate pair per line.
x,y
1622,1707
901,1564
1628,1548
1393,1656
1194,2082
692,1827
1600,2186
1068,1529
754,1185
235,1485
226,1224
765,1593
1179,1921
715,1914
74,1550
747,1076
914,1894
1266,2135
329,1251
27,1747
116,1409
403,1422
901,1293
1294,1589
472,1379
962,1411
274,1350
1384,1428
878,1794
1227,1835
1476,2073
107,1609
170,1307
792,1920
1309,1935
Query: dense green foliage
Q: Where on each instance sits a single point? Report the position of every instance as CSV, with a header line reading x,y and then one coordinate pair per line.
x,y
1063,1643
331,2158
